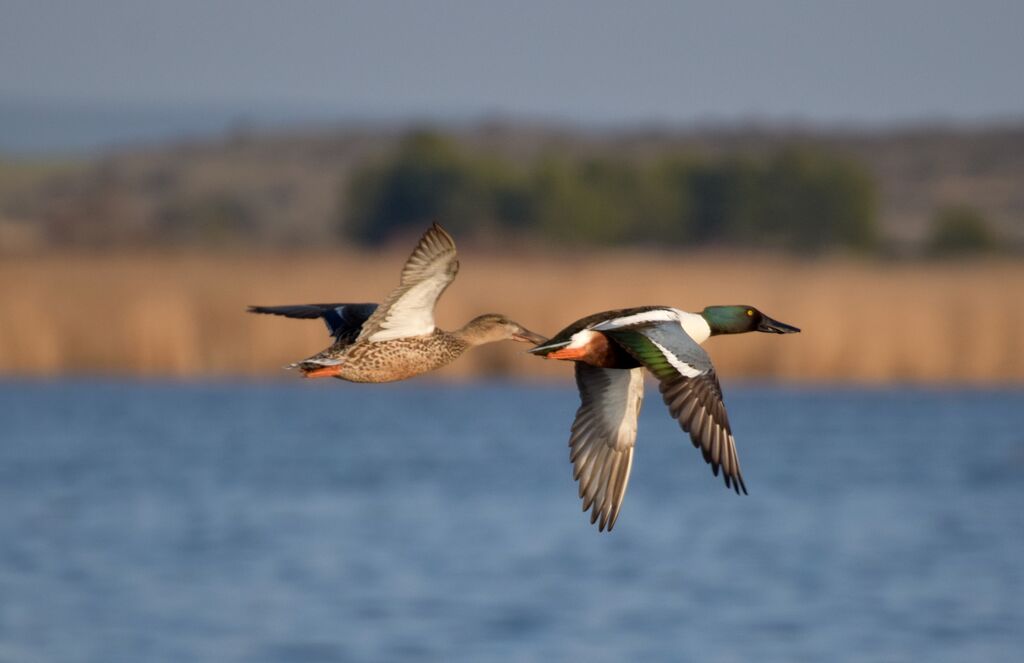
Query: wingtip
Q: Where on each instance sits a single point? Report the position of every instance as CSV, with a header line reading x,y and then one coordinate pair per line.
x,y
437,228
604,520
737,484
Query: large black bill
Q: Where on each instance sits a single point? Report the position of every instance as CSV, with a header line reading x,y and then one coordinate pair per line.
x,y
770,326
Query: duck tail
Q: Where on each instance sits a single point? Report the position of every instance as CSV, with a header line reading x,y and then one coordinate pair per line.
x,y
313,364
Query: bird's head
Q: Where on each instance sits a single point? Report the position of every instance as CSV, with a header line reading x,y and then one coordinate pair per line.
x,y
494,327
742,319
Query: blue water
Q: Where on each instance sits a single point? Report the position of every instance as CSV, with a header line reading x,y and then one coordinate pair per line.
x,y
322,522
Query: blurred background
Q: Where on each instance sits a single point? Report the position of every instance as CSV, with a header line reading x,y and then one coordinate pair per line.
x,y
855,169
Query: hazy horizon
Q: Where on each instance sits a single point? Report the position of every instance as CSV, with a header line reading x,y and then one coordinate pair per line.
x,y
114,71
33,128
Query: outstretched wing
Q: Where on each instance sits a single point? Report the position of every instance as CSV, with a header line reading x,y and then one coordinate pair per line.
x,y
344,321
689,388
603,437
409,309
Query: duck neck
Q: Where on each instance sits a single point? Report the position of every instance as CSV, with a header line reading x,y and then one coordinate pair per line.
x,y
472,335
696,325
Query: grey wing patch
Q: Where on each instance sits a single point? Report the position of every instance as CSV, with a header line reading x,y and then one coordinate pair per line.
x,y
344,321
690,389
696,403
603,437
664,347
409,309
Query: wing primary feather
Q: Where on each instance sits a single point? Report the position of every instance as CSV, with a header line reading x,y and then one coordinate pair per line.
x,y
409,308
621,486
602,438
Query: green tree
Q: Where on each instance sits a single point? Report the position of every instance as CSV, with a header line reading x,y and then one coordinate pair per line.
x,y
800,200
723,200
571,206
797,199
960,230
606,200
428,179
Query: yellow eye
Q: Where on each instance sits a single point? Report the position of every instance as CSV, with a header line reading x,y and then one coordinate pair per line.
x,y
750,312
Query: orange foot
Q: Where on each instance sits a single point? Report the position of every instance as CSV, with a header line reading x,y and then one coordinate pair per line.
x,y
324,372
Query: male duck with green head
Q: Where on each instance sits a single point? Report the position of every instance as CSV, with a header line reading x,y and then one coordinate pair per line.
x,y
611,351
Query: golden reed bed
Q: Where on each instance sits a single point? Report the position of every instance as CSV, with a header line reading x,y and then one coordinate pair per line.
x,y
171,315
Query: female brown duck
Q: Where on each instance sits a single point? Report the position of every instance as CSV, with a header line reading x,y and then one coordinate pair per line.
x,y
397,339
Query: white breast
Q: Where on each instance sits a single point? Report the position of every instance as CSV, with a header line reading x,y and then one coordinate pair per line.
x,y
694,325
581,338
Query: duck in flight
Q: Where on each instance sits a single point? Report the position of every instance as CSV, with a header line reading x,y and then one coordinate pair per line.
x,y
397,340
611,350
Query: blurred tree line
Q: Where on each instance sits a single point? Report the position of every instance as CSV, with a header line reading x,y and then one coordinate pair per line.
x,y
945,195
960,230
803,200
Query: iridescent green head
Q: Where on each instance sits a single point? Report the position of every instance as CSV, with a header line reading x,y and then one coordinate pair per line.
x,y
741,319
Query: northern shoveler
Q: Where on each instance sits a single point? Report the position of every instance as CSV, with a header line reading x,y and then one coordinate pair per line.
x,y
397,339
611,351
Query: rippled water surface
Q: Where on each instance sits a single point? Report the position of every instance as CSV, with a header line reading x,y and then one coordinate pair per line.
x,y
322,522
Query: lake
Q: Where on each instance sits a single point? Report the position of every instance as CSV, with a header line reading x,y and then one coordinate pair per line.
x,y
316,521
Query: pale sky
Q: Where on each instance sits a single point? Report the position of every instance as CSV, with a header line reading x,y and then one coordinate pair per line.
x,y
592,62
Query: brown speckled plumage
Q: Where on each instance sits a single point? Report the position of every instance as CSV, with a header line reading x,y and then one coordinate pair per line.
x,y
389,361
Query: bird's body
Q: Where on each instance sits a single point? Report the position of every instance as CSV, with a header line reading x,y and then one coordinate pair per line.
x,y
611,351
387,361
599,350
397,340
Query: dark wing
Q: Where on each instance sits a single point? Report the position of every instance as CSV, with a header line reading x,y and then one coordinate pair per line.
x,y
696,403
409,309
603,437
690,389
344,321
